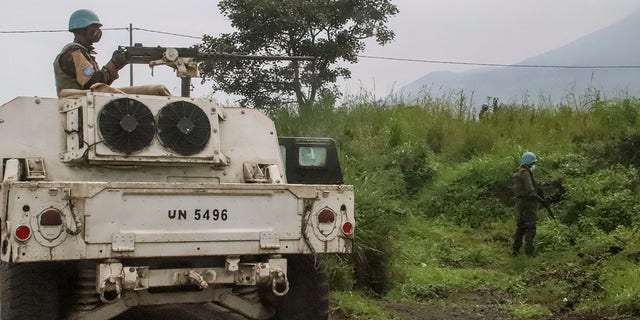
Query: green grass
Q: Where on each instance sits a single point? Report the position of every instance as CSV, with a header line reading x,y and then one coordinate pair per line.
x,y
621,283
530,312
358,307
435,214
456,279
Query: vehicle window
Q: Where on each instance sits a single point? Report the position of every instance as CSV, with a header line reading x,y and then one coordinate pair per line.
x,y
312,156
283,154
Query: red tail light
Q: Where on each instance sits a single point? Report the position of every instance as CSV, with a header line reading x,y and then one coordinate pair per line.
x,y
23,233
51,217
326,216
347,228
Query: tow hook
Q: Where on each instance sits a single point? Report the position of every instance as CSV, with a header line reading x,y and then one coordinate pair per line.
x,y
197,279
111,291
109,281
279,283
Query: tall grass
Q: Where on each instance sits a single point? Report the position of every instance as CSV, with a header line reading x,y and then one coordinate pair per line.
x,y
434,211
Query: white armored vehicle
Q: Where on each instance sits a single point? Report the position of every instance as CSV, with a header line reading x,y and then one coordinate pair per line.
x,y
115,203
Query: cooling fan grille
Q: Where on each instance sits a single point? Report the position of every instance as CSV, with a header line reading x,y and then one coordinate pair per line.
x,y
183,128
126,125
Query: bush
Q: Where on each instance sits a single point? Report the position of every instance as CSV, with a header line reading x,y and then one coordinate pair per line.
x,y
473,194
603,200
416,164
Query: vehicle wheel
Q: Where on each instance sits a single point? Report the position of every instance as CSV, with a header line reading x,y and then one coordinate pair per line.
x,y
308,297
29,291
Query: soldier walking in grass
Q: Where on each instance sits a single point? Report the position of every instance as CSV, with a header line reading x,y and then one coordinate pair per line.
x,y
527,199
484,111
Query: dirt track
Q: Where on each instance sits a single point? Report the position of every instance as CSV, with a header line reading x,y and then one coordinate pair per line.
x,y
468,306
485,305
477,306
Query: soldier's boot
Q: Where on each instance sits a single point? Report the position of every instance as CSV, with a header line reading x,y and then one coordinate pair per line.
x,y
517,242
530,251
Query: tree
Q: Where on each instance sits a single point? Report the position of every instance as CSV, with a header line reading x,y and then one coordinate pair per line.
x,y
330,30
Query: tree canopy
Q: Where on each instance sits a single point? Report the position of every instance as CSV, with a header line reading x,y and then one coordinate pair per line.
x,y
332,31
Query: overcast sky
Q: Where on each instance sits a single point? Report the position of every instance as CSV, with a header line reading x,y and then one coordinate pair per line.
x,y
490,31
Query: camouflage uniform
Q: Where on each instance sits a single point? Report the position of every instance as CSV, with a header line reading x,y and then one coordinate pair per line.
x,y
76,68
527,199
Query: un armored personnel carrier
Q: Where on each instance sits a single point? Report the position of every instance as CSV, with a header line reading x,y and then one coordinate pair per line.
x,y
118,202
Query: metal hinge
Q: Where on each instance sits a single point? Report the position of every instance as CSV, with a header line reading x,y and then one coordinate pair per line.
x,y
35,169
269,240
123,242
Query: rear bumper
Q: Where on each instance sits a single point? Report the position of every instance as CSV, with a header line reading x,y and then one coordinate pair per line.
x,y
116,277
136,220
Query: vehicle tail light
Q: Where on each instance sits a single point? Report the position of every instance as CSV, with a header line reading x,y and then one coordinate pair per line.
x,y
326,216
23,233
347,228
51,217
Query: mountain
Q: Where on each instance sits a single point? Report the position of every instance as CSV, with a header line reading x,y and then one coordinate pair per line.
x,y
613,45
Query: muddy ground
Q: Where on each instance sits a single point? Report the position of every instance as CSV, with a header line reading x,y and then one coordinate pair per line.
x,y
468,306
485,305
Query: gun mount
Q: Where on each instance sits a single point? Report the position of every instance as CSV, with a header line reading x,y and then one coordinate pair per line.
x,y
185,60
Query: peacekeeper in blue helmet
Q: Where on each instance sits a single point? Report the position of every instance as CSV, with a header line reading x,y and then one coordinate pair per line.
x,y
527,200
76,67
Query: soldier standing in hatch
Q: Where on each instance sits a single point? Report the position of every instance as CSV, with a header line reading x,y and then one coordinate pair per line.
x,y
527,199
76,67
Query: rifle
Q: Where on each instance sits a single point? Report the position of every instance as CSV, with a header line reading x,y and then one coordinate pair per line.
x,y
546,205
185,60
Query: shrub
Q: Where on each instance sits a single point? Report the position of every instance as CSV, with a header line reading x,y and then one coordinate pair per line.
x,y
603,200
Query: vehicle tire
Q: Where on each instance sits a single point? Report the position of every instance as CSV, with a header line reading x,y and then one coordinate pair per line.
x,y
308,297
29,291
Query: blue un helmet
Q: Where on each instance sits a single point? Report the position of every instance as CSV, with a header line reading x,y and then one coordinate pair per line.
x,y
528,158
83,18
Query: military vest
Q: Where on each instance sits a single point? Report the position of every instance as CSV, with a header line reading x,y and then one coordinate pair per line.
x,y
63,80
519,182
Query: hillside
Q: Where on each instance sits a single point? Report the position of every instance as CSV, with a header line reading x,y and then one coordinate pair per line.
x,y
435,214
613,45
